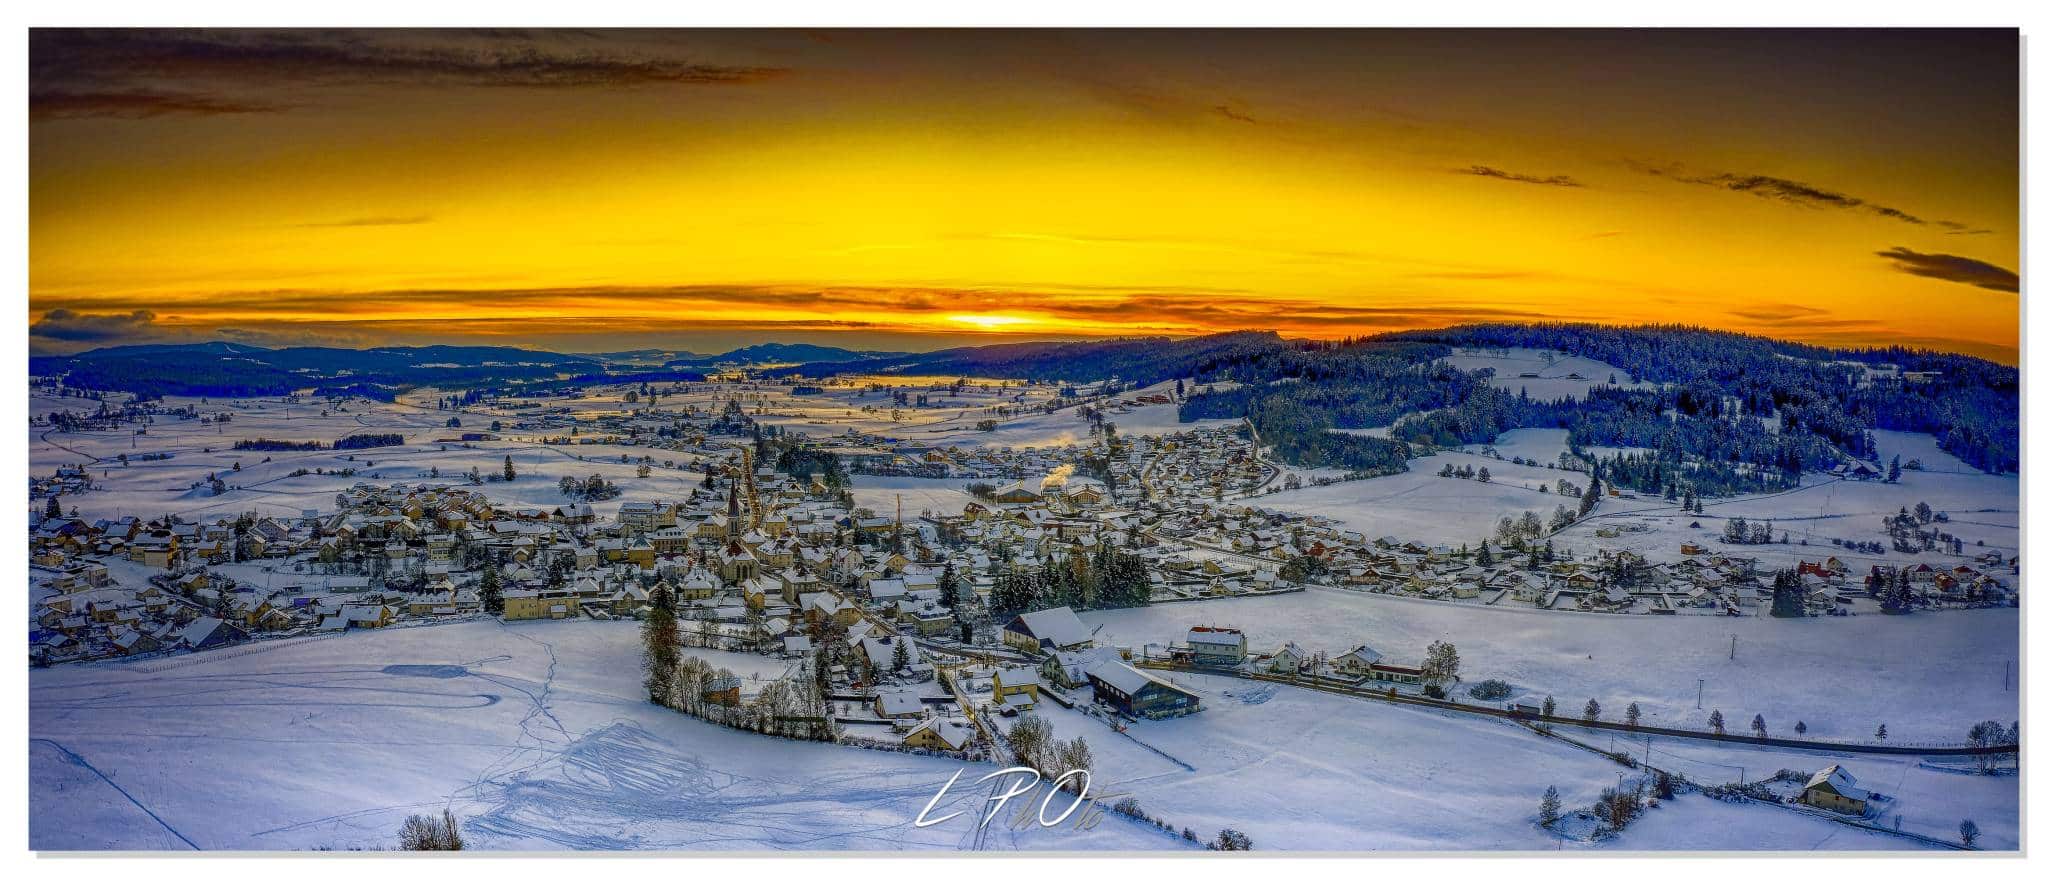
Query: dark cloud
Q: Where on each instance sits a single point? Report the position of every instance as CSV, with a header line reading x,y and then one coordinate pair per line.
x,y
140,73
1498,174
1226,112
61,324
1949,267
138,104
363,221
1793,192
1780,311
1955,228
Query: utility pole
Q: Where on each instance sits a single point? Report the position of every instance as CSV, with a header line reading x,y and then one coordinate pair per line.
x,y
1699,694
1731,646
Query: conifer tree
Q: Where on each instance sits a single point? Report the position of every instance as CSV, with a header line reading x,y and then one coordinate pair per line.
x,y
1549,811
663,647
493,595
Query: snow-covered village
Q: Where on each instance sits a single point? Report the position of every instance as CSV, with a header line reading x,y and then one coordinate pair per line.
x,y
555,614
460,446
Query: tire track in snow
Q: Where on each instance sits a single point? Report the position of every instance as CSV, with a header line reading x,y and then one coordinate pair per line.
x,y
81,762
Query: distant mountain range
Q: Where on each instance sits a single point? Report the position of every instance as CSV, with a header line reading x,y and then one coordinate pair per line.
x,y
781,354
221,368
229,369
647,356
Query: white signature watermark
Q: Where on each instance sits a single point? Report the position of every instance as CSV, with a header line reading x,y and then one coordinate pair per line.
x,y
1023,781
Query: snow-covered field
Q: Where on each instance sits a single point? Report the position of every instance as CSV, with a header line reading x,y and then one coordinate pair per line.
x,y
1928,676
1532,443
265,483
1927,797
535,734
1551,378
1980,506
937,496
1302,770
1062,427
1419,505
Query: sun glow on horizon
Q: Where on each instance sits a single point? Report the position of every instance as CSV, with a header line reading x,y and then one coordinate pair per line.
x,y
991,321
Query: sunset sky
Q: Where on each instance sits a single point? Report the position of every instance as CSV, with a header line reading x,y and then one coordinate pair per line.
x,y
910,190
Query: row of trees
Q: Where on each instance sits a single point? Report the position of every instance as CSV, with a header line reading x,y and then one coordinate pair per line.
x,y
593,488
1108,577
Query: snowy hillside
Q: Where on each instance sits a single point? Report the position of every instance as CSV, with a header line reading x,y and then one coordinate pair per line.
x,y
535,734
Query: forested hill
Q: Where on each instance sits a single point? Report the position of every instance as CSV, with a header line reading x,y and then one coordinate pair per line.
x,y
225,369
1970,404
1705,422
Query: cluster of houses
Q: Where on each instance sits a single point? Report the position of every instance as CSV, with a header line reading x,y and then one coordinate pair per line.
x,y
760,560
70,478
1991,579
1225,647
1072,659
79,612
1198,465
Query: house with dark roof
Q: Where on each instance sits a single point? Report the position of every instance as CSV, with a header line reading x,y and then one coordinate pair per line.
x,y
1135,692
207,632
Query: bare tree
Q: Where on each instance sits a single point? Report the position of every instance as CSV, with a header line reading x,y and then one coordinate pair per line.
x,y
422,832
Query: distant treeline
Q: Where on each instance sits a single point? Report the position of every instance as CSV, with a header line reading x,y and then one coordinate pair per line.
x,y
345,443
368,440
275,445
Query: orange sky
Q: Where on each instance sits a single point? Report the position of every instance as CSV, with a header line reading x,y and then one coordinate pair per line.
x,y
912,190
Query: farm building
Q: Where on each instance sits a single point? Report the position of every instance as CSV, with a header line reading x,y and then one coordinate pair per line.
x,y
1835,789
1137,693
1057,628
